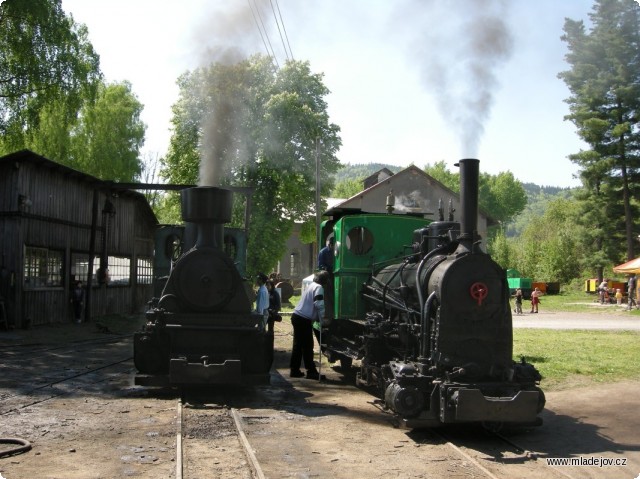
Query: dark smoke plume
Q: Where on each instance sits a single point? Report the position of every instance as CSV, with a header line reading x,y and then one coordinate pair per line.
x,y
227,36
460,46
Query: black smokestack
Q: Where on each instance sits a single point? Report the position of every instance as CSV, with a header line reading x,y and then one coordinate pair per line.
x,y
469,179
208,208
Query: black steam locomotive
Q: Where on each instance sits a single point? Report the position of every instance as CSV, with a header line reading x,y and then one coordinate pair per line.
x,y
434,333
202,329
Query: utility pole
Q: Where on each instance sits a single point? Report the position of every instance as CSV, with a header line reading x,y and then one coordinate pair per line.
x,y
318,192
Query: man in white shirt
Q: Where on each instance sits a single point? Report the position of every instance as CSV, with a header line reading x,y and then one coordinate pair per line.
x,y
310,308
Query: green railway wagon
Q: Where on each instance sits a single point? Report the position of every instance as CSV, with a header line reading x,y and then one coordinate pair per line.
x,y
365,243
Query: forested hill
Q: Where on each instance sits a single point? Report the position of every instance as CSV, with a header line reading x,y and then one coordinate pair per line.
x,y
362,171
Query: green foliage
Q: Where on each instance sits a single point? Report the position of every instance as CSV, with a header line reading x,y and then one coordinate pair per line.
x,y
500,250
248,124
501,196
347,188
440,172
361,171
46,63
108,138
604,81
538,199
53,100
549,248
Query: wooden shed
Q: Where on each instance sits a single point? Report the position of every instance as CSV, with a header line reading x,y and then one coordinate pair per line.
x,y
59,226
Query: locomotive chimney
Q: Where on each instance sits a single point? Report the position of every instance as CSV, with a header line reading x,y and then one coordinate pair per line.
x,y
469,178
209,208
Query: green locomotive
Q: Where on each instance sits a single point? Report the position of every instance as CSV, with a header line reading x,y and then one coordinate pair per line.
x,y
426,311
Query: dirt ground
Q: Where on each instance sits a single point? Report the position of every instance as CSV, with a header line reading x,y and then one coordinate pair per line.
x,y
297,428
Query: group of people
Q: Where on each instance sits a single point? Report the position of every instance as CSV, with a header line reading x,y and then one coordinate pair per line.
x,y
535,300
308,314
604,293
268,301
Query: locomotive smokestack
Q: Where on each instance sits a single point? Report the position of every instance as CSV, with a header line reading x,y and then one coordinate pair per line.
x,y
209,208
469,178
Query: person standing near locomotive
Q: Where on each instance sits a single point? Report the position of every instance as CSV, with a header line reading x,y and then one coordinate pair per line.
x,y
77,300
309,309
262,297
535,300
631,291
326,258
274,304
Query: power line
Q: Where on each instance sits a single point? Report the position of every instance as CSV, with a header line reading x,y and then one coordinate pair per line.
x,y
256,17
284,45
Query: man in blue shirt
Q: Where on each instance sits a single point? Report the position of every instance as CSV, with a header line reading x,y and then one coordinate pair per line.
x,y
325,256
326,259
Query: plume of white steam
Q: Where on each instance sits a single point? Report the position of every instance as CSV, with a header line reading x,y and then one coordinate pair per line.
x,y
461,43
411,202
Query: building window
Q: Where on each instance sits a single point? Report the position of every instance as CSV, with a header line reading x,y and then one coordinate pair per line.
x,y
144,273
80,267
119,270
42,268
294,264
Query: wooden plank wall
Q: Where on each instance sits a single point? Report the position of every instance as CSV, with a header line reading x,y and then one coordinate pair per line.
x,y
59,218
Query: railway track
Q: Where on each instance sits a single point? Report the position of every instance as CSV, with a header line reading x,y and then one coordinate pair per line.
x,y
211,442
493,455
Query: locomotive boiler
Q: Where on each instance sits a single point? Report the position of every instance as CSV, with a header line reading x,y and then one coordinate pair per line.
x,y
202,329
436,340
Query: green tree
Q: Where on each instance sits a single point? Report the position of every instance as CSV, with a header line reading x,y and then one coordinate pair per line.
x,y
108,138
248,124
46,63
604,81
550,247
105,139
440,172
501,250
347,188
501,196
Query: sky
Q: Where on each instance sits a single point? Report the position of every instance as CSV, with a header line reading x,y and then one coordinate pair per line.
x,y
411,81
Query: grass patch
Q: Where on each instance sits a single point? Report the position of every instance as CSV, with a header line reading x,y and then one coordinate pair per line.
x,y
570,358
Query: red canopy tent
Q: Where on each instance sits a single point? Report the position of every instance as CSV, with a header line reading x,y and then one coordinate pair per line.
x,y
629,267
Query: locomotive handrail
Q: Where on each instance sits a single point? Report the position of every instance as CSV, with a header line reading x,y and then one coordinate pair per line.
x,y
397,259
397,304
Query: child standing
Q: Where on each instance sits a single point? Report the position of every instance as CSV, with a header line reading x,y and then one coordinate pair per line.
x,y
618,296
535,300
